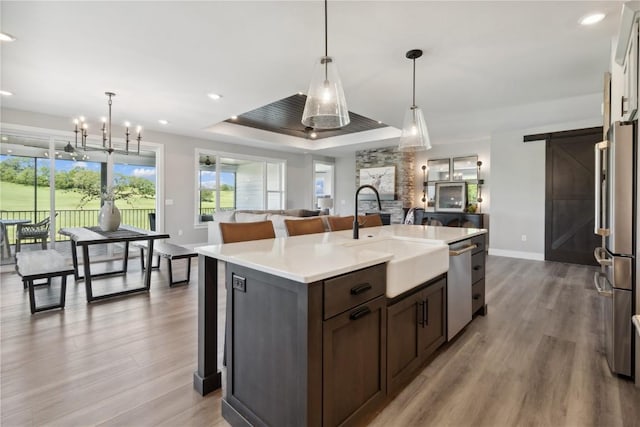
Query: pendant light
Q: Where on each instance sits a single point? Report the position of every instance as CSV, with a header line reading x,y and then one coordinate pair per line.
x,y
326,107
415,136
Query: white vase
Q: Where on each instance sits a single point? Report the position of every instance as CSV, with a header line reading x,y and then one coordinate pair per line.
x,y
109,217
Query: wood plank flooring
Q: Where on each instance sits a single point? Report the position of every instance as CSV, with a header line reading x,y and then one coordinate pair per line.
x,y
536,359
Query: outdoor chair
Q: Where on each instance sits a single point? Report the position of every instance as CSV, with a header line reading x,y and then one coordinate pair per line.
x,y
35,232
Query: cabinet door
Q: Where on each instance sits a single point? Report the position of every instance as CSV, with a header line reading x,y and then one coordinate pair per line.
x,y
433,331
404,320
630,100
354,362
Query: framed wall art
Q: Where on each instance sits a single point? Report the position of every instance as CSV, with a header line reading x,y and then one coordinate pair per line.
x,y
382,179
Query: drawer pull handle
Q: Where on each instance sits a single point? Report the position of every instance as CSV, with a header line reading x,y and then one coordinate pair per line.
x,y
477,267
425,313
361,312
420,312
477,296
357,290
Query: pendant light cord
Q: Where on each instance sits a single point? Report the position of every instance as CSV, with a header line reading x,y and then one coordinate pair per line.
x,y
109,130
326,31
414,82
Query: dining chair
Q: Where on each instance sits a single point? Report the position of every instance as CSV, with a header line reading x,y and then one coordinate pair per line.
x,y
35,232
233,232
373,220
337,223
297,227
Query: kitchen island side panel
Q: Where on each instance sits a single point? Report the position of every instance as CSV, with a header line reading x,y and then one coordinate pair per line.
x,y
274,374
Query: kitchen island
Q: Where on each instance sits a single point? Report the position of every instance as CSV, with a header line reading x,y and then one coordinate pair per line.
x,y
318,326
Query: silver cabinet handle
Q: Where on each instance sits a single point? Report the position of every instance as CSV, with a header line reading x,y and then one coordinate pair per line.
x,y
598,228
596,282
600,259
462,251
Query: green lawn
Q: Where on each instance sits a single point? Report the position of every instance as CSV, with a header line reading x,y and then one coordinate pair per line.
x,y
18,197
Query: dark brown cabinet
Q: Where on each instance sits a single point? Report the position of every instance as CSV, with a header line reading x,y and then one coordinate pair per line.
x,y
416,328
354,362
477,275
455,219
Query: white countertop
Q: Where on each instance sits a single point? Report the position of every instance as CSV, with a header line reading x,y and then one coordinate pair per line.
x,y
314,257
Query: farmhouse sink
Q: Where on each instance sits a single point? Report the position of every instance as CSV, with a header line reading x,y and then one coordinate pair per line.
x,y
413,262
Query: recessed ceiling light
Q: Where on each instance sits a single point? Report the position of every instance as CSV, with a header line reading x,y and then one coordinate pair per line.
x,y
9,151
234,117
592,18
4,37
4,138
214,96
313,135
163,122
5,93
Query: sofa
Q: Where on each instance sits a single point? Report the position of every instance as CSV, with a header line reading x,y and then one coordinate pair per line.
x,y
277,217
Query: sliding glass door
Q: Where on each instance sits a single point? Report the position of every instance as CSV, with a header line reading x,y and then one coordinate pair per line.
x,y
43,176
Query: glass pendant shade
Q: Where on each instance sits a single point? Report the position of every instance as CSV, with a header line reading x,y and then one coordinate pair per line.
x,y
415,136
326,106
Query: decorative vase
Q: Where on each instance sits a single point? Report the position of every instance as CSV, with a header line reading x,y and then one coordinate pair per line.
x,y
109,217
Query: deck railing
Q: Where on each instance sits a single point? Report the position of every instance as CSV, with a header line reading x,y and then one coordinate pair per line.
x,y
76,218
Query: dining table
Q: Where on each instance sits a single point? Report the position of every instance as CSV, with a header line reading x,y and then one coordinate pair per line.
x,y
85,237
4,223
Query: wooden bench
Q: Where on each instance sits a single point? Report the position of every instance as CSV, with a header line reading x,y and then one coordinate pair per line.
x,y
43,264
170,252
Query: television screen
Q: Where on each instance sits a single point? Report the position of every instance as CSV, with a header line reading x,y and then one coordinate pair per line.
x,y
451,197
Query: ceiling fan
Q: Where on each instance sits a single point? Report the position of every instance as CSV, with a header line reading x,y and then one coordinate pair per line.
x,y
206,162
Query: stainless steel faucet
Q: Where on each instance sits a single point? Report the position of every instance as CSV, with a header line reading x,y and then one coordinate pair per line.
x,y
356,224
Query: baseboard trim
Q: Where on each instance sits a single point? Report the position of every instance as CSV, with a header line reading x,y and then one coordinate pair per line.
x,y
535,256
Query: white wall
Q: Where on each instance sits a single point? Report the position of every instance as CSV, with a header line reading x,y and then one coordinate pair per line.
x,y
518,196
179,185
345,184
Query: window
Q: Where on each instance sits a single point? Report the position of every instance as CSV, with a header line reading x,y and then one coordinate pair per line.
x,y
135,180
228,182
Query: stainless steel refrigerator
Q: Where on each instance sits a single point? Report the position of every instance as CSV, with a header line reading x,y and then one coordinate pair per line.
x,y
615,213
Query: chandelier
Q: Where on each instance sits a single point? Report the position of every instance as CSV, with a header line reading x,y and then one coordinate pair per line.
x,y
81,128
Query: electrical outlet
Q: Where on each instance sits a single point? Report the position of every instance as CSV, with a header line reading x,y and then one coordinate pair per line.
x,y
239,283
524,237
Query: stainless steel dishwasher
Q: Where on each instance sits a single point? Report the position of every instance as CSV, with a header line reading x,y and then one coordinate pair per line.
x,y
459,287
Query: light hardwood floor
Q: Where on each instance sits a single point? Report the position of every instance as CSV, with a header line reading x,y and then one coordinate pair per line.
x,y
536,359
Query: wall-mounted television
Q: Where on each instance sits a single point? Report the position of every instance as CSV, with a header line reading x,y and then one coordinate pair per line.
x,y
451,196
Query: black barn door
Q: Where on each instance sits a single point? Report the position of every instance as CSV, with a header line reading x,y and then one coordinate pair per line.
x,y
569,201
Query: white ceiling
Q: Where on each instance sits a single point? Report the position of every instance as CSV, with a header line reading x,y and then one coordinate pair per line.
x,y
482,60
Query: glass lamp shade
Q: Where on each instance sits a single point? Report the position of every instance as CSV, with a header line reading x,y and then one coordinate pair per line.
x,y
326,106
415,136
